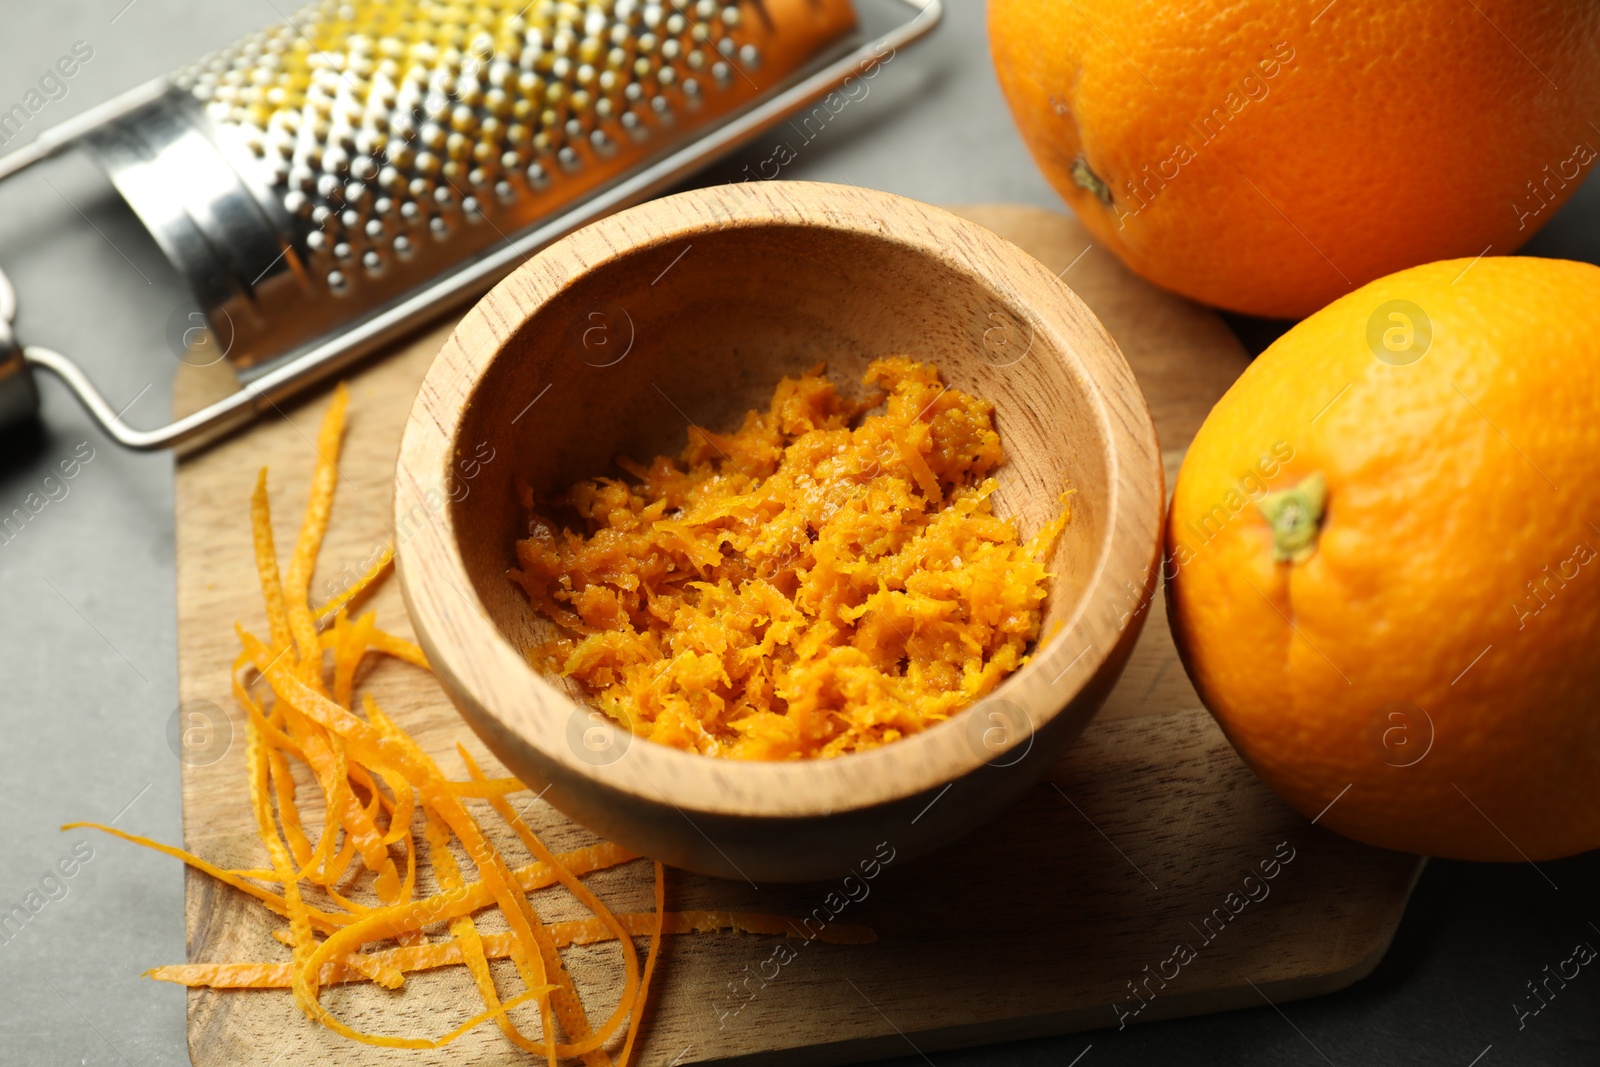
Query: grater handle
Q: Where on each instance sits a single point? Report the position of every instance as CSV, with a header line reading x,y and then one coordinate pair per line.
x,y
19,397
208,423
65,134
19,393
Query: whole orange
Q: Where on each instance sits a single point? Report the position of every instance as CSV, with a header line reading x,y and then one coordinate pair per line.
x,y
1384,561
1270,157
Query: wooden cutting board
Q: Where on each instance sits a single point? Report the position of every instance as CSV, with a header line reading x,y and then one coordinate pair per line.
x,y
1118,891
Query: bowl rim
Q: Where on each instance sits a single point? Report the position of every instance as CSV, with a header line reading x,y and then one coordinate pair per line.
x,y
491,682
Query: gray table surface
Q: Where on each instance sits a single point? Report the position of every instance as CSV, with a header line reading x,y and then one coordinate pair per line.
x,y
87,634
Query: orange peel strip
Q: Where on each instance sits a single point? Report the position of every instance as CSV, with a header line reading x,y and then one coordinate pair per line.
x,y
495,875
463,927
637,1015
488,788
586,896
349,645
333,872
370,927
497,946
399,648
267,563
319,506
328,761
278,776
440,907
361,585
467,941
294,906
274,901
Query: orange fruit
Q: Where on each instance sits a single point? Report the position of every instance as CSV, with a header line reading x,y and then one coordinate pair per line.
x,y
1270,157
1384,561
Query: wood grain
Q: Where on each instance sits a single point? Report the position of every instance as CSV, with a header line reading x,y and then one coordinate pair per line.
x,y
1039,924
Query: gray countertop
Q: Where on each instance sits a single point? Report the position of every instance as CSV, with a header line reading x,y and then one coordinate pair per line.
x,y
87,635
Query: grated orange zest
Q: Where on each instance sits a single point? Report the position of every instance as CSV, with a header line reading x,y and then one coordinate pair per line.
x,y
821,581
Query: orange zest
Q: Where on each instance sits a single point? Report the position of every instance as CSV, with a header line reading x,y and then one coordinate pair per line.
x,y
349,892
820,581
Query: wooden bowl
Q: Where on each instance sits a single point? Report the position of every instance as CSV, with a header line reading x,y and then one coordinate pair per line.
x,y
691,308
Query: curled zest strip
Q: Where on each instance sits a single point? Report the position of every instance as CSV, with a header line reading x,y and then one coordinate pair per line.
x,y
579,1026
649,965
462,926
319,507
368,579
372,748
468,942
497,946
442,906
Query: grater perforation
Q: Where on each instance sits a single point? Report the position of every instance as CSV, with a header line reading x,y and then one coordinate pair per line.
x,y
376,126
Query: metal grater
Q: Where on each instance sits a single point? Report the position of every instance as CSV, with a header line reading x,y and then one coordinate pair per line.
x,y
329,182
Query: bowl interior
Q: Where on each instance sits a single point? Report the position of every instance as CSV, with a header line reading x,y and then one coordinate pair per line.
x,y
622,360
